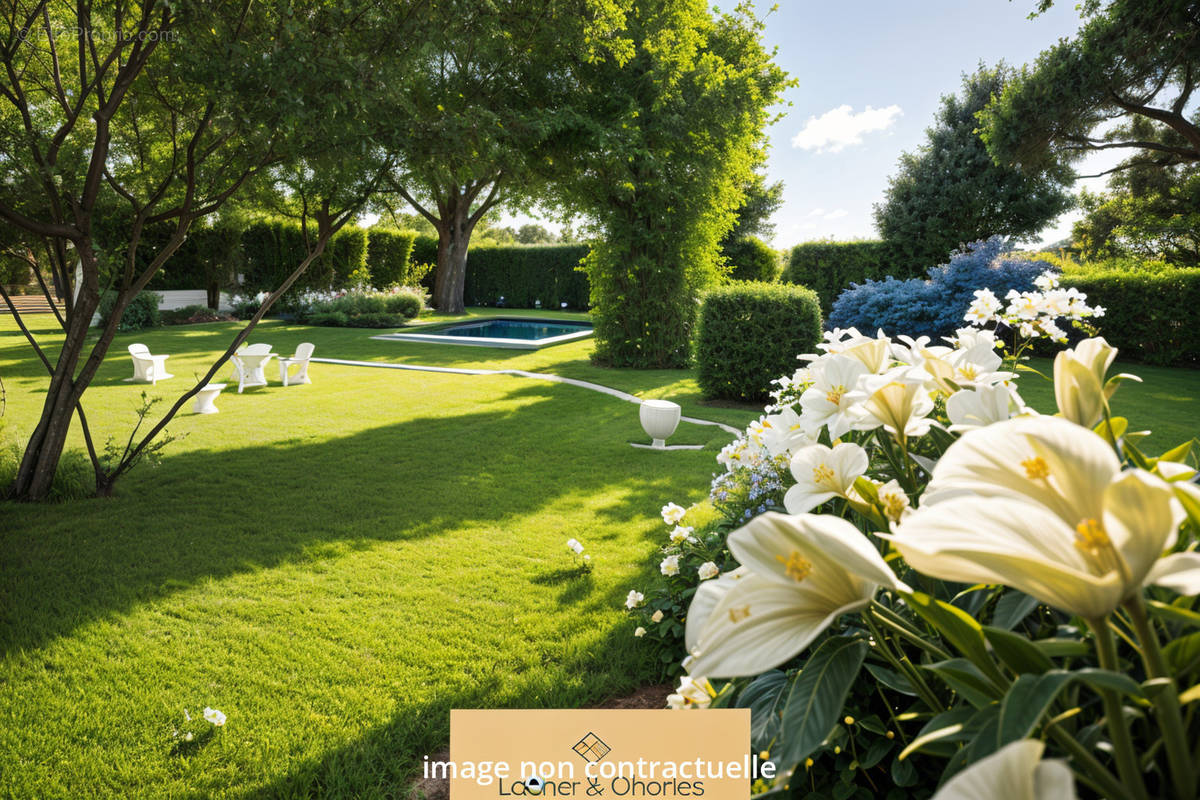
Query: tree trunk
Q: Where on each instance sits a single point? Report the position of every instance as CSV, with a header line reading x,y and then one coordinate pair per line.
x,y
40,462
213,295
454,236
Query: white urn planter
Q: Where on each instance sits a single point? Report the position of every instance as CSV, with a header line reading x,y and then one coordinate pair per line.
x,y
659,418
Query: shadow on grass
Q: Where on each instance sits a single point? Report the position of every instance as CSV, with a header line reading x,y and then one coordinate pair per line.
x,y
211,514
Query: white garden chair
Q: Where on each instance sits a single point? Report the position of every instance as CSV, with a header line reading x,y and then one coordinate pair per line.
x,y
300,359
248,365
147,368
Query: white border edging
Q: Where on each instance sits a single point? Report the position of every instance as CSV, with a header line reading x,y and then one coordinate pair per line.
x,y
520,373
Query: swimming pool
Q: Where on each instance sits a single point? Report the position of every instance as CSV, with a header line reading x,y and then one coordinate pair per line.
x,y
516,333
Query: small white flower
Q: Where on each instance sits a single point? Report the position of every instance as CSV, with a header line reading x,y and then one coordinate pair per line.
x,y
672,514
575,546
587,559
634,599
1046,281
691,693
681,534
657,616
214,716
669,566
707,570
187,737
640,632
186,715
894,500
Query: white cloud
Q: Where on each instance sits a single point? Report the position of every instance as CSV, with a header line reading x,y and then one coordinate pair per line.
x,y
817,212
820,213
840,127
841,212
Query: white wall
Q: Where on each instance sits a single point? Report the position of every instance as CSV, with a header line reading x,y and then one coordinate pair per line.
x,y
179,298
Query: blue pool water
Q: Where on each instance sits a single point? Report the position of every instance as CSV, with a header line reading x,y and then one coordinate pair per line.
x,y
531,329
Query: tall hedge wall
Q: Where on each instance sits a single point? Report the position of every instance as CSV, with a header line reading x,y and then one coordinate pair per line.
x,y
524,274
273,250
1151,315
829,267
750,333
389,256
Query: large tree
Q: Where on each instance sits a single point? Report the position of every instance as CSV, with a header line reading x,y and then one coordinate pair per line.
x,y
950,192
678,130
1131,61
495,103
120,115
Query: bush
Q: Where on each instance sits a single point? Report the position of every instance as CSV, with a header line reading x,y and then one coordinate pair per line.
x,y
362,309
829,267
141,313
750,333
1150,307
525,274
189,315
935,307
425,251
750,259
388,254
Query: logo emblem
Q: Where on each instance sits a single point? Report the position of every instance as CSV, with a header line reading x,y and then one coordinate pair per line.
x,y
591,748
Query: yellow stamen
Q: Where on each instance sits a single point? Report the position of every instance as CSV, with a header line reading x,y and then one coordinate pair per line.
x,y
796,566
736,615
1090,536
1036,468
834,395
894,505
823,476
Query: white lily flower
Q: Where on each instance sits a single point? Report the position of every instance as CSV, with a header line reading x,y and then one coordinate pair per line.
x,y
898,401
681,534
1079,381
823,473
799,574
1014,772
634,599
783,433
1041,504
669,566
969,409
871,353
833,398
895,502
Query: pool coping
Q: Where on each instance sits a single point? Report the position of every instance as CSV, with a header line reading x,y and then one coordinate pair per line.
x,y
507,344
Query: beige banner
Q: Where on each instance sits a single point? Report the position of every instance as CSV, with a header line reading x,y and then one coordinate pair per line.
x,y
599,753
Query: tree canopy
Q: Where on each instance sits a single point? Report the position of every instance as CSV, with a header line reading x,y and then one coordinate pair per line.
x,y
950,192
1131,61
676,133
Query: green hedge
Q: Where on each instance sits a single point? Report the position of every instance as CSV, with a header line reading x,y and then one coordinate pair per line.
x,y
525,274
751,259
388,257
141,314
425,249
272,251
749,334
829,267
1150,314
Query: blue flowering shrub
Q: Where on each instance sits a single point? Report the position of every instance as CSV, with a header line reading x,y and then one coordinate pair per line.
x,y
935,306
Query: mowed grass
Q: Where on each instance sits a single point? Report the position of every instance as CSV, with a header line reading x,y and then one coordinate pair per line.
x,y
334,566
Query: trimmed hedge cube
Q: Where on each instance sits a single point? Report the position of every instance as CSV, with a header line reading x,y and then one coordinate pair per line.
x,y
750,334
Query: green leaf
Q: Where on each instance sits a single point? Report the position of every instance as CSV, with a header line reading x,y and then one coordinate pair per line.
x,y
1018,653
817,697
1012,608
765,697
892,680
965,678
903,773
1062,648
1105,679
876,752
961,630
1174,613
1028,699
1183,655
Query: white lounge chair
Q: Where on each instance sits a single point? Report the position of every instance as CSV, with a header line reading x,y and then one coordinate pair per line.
x,y
248,364
303,354
147,368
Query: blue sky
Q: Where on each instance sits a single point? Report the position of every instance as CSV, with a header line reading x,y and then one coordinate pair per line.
x,y
870,77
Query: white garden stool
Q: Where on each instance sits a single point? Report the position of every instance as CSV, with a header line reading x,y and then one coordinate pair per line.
x,y
659,419
206,398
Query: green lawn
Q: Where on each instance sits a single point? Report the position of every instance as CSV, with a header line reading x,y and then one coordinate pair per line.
x,y
334,566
